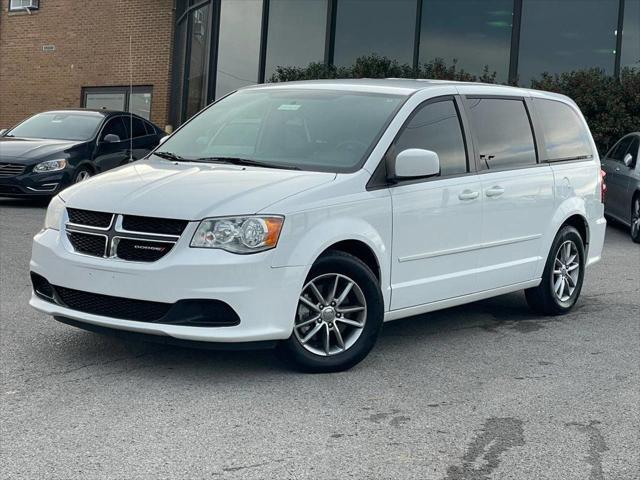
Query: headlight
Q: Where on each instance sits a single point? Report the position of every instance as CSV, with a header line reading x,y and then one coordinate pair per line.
x,y
50,166
239,234
53,218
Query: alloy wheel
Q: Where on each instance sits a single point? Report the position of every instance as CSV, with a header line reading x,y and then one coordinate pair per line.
x,y
566,271
331,316
82,176
635,218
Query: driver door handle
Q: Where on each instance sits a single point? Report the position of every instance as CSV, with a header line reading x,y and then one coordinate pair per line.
x,y
468,195
494,191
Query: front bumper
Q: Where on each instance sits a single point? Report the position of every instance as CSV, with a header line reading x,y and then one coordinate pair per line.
x,y
31,184
264,298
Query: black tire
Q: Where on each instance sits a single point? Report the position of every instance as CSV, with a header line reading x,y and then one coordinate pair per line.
x,y
292,351
635,218
543,298
81,174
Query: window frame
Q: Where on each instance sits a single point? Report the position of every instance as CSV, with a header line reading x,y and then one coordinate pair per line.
x,y
35,5
481,168
380,178
127,90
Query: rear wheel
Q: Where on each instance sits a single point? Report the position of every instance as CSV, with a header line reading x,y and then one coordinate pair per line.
x,y
635,219
339,316
562,277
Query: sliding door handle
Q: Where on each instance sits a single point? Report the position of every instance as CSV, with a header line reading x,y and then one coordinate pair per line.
x,y
468,195
494,191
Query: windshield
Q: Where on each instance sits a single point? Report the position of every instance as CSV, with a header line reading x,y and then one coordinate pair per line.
x,y
296,128
58,126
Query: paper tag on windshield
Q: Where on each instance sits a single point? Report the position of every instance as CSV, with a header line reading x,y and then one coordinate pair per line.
x,y
289,107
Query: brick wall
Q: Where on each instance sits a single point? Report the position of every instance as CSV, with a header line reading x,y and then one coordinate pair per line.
x,y
91,39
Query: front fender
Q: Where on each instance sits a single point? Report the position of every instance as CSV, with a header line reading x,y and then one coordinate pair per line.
x,y
307,235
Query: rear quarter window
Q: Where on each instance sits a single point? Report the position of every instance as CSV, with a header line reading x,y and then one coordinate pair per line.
x,y
564,133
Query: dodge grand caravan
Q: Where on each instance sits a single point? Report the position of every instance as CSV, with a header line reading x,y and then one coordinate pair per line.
x,y
304,215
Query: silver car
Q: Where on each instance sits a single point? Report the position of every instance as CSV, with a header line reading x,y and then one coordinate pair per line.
x,y
622,202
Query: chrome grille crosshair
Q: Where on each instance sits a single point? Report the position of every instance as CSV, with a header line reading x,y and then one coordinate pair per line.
x,y
101,234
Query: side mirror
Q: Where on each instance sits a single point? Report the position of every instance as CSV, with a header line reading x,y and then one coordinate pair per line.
x,y
628,159
111,138
163,139
2,130
416,162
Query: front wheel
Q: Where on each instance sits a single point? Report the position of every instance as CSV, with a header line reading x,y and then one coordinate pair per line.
x,y
82,174
339,316
562,277
635,219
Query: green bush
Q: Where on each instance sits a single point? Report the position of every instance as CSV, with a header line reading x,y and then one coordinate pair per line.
x,y
610,105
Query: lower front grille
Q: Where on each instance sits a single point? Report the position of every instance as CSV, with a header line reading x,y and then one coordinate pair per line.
x,y
88,243
10,190
115,307
188,313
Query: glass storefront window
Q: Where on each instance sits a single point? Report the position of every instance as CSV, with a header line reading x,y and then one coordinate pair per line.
x,y
196,81
122,98
383,27
296,33
105,101
474,32
631,35
559,37
238,45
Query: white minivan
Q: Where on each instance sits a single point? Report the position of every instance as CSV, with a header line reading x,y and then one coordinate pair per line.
x,y
304,215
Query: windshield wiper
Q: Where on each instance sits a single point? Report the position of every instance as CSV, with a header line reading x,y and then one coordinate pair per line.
x,y
170,156
246,162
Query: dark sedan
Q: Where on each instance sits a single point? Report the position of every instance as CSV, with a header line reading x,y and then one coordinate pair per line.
x,y
622,167
52,150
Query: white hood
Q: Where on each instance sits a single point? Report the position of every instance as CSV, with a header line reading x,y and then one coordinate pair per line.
x,y
189,191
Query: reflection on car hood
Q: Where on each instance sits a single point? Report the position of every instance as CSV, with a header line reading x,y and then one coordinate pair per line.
x,y
25,150
189,191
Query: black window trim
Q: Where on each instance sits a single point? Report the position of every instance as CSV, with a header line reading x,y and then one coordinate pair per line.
x,y
542,140
537,144
380,178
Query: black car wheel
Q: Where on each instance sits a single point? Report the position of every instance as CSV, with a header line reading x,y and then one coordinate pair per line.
x,y
635,219
339,316
82,174
562,277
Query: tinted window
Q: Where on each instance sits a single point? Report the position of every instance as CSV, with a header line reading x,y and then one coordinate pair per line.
x,y
296,33
138,127
307,129
620,149
476,33
383,27
150,129
58,126
633,150
115,126
561,36
436,127
503,131
565,135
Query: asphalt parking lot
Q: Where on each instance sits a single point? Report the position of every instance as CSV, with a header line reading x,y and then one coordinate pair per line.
x,y
484,391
